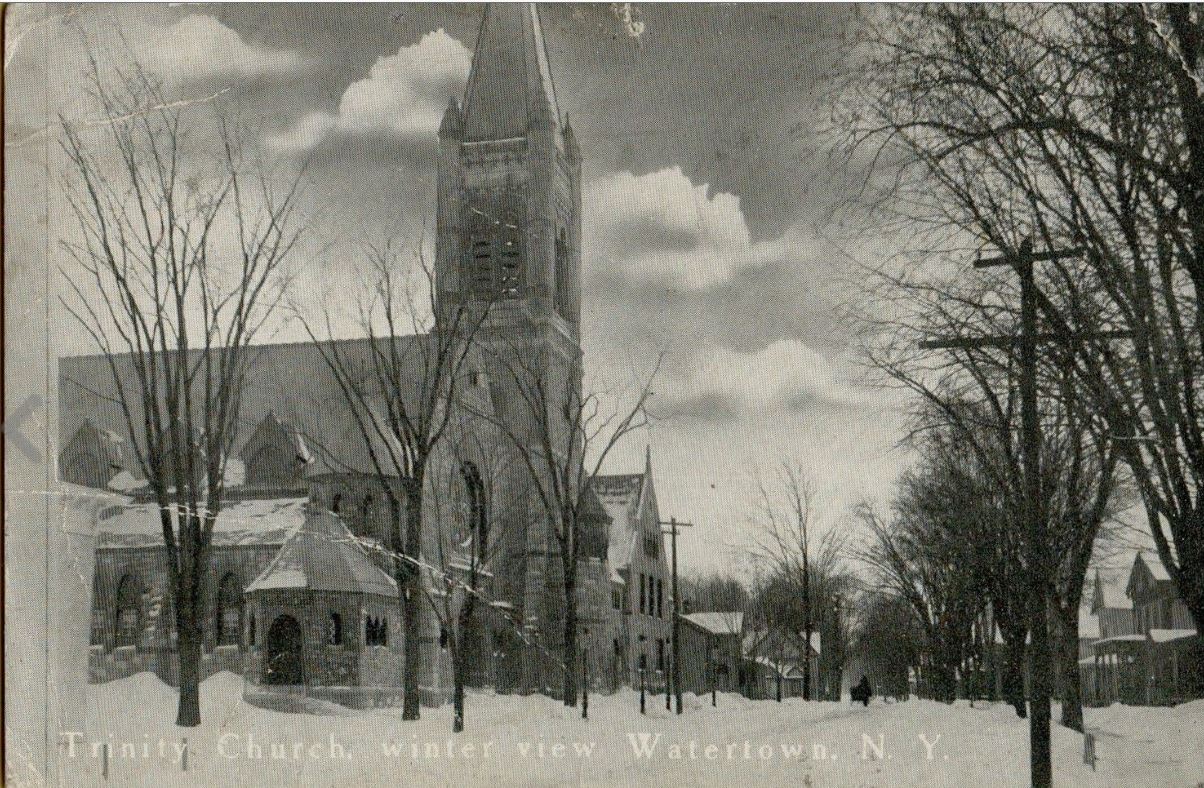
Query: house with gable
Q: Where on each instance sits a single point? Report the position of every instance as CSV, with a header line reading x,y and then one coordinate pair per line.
x,y
639,577
1148,651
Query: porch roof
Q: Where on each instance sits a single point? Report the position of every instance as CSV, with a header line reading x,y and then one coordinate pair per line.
x,y
1170,635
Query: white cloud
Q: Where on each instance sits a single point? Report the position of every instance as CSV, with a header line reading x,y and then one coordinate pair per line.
x,y
661,227
200,46
786,374
404,95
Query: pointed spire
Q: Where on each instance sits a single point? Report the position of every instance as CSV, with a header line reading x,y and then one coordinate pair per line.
x,y
647,459
572,150
510,78
452,124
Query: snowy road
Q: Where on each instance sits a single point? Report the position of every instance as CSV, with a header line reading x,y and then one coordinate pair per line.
x,y
536,741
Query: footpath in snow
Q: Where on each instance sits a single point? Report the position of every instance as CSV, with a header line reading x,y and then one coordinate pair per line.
x,y
513,740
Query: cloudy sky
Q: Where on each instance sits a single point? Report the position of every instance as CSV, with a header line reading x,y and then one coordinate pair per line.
x,y
703,221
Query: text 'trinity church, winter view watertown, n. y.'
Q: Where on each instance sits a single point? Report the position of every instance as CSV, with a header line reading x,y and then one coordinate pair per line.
x,y
512,393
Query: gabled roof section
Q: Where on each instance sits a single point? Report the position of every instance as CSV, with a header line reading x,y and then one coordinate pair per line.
x,y
619,496
324,556
272,430
623,496
1149,564
510,75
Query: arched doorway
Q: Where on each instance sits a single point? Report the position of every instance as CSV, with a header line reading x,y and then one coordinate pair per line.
x,y
283,665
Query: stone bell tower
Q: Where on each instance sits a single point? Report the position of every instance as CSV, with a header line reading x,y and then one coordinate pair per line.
x,y
509,240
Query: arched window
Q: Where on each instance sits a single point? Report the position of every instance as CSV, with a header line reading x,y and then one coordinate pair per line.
x,y
443,637
335,637
127,611
229,610
476,517
251,634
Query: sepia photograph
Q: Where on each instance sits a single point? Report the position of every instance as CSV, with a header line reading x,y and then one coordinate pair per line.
x,y
510,394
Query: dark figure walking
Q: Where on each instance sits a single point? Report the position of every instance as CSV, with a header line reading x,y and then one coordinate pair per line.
x,y
862,692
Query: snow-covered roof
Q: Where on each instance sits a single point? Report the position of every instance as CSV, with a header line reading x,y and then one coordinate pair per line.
x,y
718,623
1121,639
1168,635
255,522
619,495
323,555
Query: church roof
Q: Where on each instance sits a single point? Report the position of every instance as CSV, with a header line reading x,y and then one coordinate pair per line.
x,y
510,75
322,555
245,523
292,382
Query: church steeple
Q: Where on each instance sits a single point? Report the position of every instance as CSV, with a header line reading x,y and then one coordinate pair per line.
x,y
510,81
509,188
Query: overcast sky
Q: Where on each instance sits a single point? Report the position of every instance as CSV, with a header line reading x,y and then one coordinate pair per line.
x,y
702,220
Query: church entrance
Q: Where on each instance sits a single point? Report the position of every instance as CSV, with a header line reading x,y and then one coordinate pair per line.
x,y
284,665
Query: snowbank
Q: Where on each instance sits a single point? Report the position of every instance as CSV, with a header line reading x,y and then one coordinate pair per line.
x,y
513,740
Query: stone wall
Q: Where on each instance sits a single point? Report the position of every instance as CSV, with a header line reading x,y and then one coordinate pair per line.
x,y
147,566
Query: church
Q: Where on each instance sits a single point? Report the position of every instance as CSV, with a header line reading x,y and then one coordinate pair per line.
x,y
297,592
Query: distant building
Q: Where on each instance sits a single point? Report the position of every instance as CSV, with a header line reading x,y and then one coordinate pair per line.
x,y
711,651
774,658
1149,651
640,590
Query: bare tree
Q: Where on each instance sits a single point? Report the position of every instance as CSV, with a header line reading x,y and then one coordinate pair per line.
x,y
1078,127
714,592
922,554
466,495
177,266
402,385
785,544
562,438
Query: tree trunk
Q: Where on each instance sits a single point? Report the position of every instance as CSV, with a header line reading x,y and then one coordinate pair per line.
x,y
1067,652
459,669
409,581
188,714
570,637
462,640
807,661
1013,673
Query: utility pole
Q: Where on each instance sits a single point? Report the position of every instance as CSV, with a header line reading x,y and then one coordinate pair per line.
x,y
1022,260
673,526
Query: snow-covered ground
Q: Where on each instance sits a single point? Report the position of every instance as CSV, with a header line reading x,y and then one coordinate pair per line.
x,y
536,741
